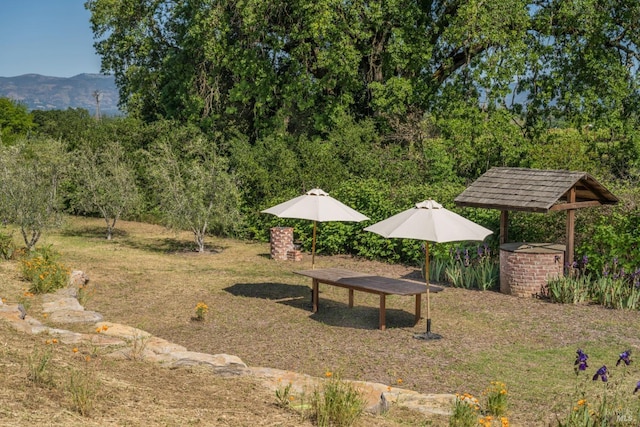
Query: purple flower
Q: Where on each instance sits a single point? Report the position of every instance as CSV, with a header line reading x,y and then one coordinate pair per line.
x,y
624,357
602,374
581,360
585,260
637,387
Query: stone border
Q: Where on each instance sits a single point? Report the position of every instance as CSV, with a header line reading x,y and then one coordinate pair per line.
x,y
125,342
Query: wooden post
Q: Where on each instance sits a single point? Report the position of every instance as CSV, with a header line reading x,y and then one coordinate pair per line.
x,y
504,227
383,310
571,218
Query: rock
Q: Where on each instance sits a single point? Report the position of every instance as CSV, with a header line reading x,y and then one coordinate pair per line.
x,y
78,278
62,304
74,316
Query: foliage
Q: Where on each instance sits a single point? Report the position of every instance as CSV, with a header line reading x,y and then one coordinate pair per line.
x,y
83,387
193,187
105,183
7,246
31,172
468,270
337,403
15,121
465,411
568,289
605,398
71,125
201,311
42,268
468,411
39,364
615,233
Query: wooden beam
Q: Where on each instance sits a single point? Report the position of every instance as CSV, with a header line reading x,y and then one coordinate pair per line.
x,y
575,205
504,227
571,219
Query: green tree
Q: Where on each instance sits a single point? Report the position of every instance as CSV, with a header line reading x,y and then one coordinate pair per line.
x,y
105,183
30,173
15,121
193,188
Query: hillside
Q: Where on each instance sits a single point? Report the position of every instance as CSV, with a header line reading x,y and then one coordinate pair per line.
x,y
59,93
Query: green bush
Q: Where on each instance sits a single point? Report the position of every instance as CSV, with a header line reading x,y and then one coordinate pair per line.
x,y
7,246
339,403
42,269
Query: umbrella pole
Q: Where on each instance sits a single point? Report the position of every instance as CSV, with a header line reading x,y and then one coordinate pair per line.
x,y
428,335
313,248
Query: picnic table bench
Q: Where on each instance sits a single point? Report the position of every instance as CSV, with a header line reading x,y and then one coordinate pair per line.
x,y
354,281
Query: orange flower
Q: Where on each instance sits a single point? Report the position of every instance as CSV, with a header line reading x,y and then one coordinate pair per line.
x,y
55,341
399,381
105,327
75,349
47,342
87,358
328,374
44,315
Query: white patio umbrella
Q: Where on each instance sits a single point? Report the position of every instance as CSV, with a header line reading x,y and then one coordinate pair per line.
x,y
317,206
430,222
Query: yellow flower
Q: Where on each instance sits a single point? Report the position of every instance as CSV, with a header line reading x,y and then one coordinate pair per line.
x,y
399,381
581,402
388,388
98,330
44,315
75,349
47,342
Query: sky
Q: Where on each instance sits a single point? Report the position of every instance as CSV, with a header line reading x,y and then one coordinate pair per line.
x,y
48,37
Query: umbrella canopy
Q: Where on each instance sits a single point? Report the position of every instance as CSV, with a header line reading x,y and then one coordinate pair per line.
x,y
431,222
317,206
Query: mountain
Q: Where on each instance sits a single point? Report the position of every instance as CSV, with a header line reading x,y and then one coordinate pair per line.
x,y
39,92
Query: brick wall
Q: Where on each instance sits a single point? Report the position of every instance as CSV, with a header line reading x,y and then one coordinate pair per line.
x,y
525,270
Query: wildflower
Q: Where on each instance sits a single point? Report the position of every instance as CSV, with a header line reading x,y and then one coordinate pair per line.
x,y
75,349
87,358
105,327
637,387
389,387
504,421
399,381
328,374
624,357
581,360
601,373
44,315
98,330
55,341
47,342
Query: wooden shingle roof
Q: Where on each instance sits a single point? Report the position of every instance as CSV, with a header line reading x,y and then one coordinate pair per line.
x,y
534,190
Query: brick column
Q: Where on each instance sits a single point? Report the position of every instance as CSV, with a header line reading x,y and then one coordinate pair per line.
x,y
281,242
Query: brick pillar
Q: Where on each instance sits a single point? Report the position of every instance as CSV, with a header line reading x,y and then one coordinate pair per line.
x,y
281,242
526,268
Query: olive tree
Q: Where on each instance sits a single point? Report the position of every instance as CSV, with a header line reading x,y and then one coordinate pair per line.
x,y
30,174
193,188
105,183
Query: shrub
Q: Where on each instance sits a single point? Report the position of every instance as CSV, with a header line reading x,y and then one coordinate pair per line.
x,y
7,246
42,269
339,403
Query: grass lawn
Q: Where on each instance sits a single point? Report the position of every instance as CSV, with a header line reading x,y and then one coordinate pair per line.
x,y
259,310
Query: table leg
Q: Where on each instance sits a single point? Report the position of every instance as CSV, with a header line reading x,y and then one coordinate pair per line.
x,y
314,298
418,307
383,309
350,298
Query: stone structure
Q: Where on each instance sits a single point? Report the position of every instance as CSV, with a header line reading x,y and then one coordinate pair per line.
x,y
526,268
124,342
281,242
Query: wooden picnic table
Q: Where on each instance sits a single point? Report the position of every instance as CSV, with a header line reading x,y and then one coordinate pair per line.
x,y
354,281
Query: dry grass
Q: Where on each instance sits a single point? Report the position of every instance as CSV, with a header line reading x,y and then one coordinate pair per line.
x,y
259,310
